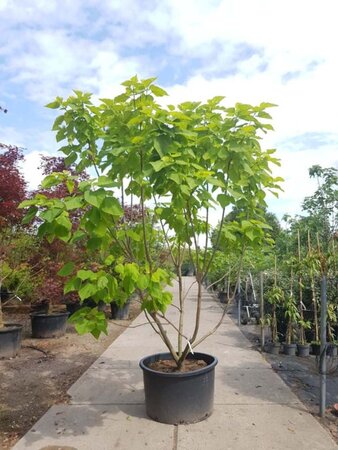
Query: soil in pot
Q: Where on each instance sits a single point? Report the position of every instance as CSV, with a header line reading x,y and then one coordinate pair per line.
x,y
179,397
49,325
303,350
169,366
10,340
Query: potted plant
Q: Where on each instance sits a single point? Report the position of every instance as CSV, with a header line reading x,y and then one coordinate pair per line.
x,y
292,315
184,161
15,283
303,347
48,318
10,333
331,323
312,262
275,296
12,192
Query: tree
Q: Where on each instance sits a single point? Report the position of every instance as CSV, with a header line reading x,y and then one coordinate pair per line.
x,y
183,160
322,206
52,254
12,185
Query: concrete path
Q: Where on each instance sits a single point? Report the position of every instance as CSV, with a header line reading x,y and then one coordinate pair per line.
x,y
254,409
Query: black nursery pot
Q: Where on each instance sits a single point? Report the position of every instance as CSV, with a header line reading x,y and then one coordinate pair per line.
x,y
49,325
177,397
315,349
289,349
118,312
273,348
303,350
73,307
10,340
223,298
331,350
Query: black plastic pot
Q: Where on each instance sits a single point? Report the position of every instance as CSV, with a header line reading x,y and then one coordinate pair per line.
x,y
223,297
72,307
303,350
289,349
119,313
49,325
10,340
177,397
100,305
331,350
5,295
273,348
315,348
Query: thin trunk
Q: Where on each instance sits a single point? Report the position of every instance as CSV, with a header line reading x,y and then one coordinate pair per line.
x,y
198,309
253,288
314,299
165,338
1,315
122,193
145,240
181,302
189,345
290,318
274,325
274,330
229,280
301,312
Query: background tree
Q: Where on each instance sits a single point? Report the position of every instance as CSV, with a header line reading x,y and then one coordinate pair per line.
x,y
12,185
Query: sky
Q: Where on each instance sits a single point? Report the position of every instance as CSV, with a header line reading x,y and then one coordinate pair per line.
x,y
280,51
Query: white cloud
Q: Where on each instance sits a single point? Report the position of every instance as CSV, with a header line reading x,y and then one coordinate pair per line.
x,y
281,51
30,167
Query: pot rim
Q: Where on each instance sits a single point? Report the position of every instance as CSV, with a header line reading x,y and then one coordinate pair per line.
x,y
54,314
8,327
164,356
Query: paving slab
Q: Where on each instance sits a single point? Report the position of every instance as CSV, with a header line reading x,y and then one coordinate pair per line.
x,y
97,427
254,409
263,427
108,386
251,387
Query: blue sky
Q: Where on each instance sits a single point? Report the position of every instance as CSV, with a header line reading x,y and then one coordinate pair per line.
x,y
281,51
